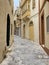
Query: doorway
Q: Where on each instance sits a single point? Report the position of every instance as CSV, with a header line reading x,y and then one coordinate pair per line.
x,y
23,31
42,30
31,31
14,27
17,31
8,30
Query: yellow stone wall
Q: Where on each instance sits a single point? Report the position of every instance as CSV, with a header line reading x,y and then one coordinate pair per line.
x,y
9,10
5,9
25,12
33,16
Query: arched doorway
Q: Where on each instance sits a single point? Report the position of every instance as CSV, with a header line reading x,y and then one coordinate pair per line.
x,y
31,31
23,31
14,27
8,30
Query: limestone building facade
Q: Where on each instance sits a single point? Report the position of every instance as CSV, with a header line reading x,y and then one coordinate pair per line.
x,y
34,17
44,23
30,20
6,26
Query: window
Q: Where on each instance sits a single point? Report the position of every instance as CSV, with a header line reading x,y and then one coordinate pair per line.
x,y
31,23
33,4
47,24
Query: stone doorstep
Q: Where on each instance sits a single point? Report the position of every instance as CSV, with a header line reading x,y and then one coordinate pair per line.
x,y
45,49
9,48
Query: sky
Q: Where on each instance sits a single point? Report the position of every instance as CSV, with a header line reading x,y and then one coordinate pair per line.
x,y
16,4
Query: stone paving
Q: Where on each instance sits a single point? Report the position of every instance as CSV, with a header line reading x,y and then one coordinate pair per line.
x,y
25,52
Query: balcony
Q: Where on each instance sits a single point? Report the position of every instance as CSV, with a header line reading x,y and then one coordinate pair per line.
x,y
26,14
26,9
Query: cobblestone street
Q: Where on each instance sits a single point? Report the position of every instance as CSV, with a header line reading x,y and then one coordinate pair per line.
x,y
25,52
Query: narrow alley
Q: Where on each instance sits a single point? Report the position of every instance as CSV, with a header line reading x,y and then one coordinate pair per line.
x,y
24,32
25,52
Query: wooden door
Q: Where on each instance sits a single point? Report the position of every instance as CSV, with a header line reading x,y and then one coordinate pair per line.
x,y
31,31
42,30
